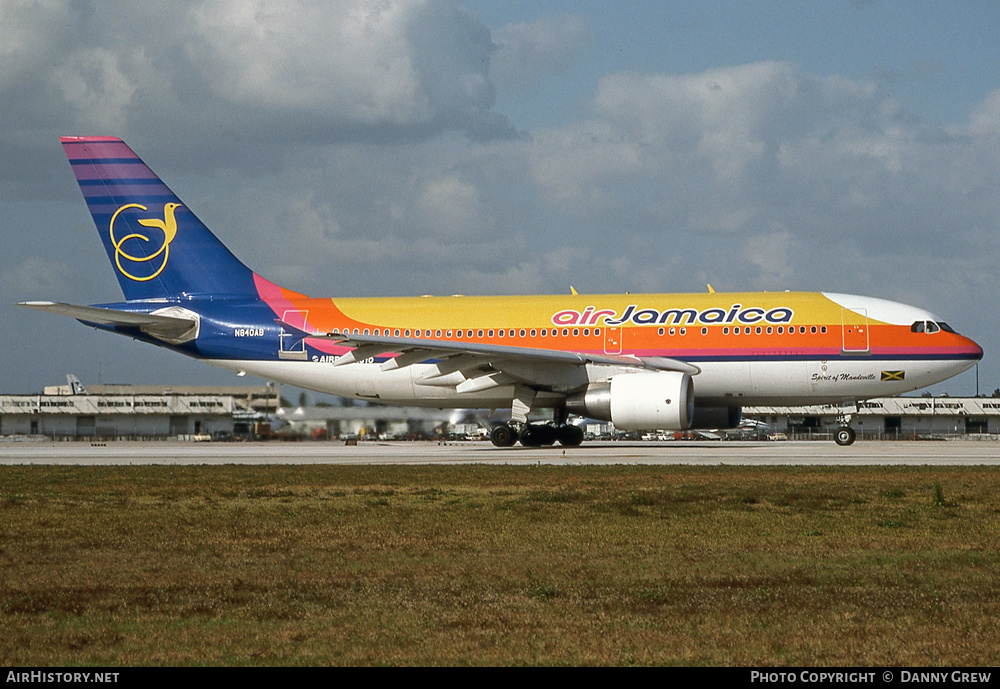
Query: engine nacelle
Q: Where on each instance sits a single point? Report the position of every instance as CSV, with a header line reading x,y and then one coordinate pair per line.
x,y
639,401
717,417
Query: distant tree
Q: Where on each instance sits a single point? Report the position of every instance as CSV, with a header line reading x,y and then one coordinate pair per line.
x,y
303,399
996,393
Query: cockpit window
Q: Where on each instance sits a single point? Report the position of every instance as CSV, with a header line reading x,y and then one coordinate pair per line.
x,y
930,327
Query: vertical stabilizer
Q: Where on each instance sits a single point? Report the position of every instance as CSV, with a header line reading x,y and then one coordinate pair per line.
x,y
75,386
158,248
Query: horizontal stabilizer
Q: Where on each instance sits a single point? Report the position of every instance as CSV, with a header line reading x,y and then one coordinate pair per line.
x,y
177,327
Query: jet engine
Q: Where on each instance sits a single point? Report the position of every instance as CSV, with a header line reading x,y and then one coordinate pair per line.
x,y
639,401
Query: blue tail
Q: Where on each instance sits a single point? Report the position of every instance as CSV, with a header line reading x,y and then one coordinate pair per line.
x,y
157,246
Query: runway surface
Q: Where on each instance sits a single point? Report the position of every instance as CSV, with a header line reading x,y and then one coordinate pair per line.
x,y
969,453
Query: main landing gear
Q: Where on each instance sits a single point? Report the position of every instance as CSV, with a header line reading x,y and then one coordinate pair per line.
x,y
536,435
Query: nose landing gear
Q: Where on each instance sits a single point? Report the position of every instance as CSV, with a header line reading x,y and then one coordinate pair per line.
x,y
845,435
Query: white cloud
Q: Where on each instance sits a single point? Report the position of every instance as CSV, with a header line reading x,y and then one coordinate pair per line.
x,y
99,88
450,208
392,63
526,51
985,118
29,30
345,70
352,58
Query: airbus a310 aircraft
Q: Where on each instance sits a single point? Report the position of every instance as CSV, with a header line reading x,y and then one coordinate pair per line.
x,y
641,361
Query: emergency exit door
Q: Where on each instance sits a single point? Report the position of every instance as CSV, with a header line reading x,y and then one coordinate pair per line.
x,y
855,331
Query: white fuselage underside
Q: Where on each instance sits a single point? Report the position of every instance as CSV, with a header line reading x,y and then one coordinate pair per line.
x,y
730,383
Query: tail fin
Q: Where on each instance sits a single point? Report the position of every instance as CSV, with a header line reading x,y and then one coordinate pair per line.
x,y
157,246
75,386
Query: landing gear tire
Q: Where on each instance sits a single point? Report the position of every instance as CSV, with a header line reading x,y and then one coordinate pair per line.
x,y
503,436
845,435
536,435
570,436
531,436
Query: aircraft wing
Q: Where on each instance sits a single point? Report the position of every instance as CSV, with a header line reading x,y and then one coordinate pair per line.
x,y
487,365
169,328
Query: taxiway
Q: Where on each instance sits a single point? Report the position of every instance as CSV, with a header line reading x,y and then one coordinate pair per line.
x,y
692,453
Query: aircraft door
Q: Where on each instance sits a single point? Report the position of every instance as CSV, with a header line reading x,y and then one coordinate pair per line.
x,y
855,331
292,344
613,339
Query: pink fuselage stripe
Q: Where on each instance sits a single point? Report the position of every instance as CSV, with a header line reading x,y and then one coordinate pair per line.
x,y
271,294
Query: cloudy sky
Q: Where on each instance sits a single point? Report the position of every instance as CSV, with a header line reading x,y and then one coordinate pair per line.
x,y
379,147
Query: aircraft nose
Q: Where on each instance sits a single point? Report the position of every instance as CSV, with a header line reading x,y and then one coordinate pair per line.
x,y
975,350
969,350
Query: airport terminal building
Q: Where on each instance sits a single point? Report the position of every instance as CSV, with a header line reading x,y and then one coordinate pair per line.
x,y
889,418
136,412
110,412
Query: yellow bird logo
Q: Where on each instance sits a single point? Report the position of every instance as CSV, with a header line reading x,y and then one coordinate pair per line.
x,y
169,228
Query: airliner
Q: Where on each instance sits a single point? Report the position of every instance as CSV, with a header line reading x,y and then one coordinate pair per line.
x,y
642,361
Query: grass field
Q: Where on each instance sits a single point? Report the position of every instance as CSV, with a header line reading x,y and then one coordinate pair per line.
x,y
474,565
